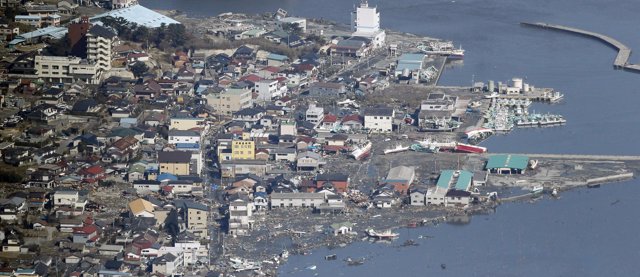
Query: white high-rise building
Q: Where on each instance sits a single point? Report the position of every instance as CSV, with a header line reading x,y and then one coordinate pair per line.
x,y
365,22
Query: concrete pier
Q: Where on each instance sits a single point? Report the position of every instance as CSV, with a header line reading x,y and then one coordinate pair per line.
x,y
624,53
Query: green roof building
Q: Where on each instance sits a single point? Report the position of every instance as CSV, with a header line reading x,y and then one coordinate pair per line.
x,y
507,164
460,179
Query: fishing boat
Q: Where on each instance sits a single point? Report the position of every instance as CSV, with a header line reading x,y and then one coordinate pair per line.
x,y
419,148
382,235
477,135
468,148
361,151
398,148
537,189
556,96
430,143
443,48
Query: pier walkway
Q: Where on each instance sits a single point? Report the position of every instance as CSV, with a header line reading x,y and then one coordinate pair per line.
x,y
624,52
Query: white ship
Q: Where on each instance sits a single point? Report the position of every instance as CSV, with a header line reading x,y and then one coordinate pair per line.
x,y
382,235
398,148
444,48
429,143
360,152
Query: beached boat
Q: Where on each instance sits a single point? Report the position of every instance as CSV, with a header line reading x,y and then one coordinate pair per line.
x,y
382,235
398,148
468,148
537,189
361,151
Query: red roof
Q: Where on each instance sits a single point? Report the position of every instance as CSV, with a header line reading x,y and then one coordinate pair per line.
x,y
330,118
87,229
281,79
93,170
272,69
334,148
352,117
251,77
306,139
167,188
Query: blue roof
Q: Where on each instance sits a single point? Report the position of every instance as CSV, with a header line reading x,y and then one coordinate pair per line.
x,y
187,146
507,161
167,176
52,31
464,180
140,15
445,179
35,17
277,57
412,58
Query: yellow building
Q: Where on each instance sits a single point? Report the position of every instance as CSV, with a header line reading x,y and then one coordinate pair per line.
x,y
174,162
243,150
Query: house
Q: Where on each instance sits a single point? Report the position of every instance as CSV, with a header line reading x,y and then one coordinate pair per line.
x,y
244,53
11,208
251,114
384,200
314,114
197,216
326,90
230,101
277,60
184,136
240,212
13,244
233,168
175,162
507,164
260,201
342,228
141,208
309,161
339,182
92,173
297,200
457,198
145,186
379,120
350,48
267,89
401,178
418,197
85,106
184,121
284,154
167,264
85,234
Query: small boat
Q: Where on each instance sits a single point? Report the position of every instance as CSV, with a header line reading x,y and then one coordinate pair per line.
x,y
284,255
382,235
360,152
537,189
554,192
353,262
398,148
312,267
533,164
331,257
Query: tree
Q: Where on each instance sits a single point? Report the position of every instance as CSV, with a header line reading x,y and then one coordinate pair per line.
x,y
139,69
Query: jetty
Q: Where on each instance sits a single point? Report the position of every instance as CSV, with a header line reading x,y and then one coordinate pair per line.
x,y
624,52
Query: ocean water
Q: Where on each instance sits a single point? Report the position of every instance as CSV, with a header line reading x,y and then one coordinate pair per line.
x,y
587,232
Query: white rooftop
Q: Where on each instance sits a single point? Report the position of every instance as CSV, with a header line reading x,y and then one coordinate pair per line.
x,y
139,15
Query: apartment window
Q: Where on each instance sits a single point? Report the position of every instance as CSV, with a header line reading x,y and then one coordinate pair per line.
x,y
56,67
45,66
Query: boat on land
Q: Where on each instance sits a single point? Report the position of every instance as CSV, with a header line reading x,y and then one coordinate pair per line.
x,y
398,148
468,148
382,235
537,189
361,151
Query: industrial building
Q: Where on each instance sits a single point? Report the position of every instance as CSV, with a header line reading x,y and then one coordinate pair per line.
x,y
507,164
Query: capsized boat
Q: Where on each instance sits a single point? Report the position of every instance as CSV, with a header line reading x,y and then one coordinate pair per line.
x,y
361,151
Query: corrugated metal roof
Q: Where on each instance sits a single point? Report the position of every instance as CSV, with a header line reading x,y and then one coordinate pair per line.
x,y
508,161
445,179
464,180
140,15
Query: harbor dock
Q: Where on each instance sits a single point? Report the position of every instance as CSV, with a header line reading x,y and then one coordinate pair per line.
x,y
624,52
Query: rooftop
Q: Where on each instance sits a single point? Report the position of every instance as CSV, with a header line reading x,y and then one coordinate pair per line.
x,y
139,15
508,161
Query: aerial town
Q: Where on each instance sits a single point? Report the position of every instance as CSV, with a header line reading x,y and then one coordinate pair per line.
x,y
136,142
